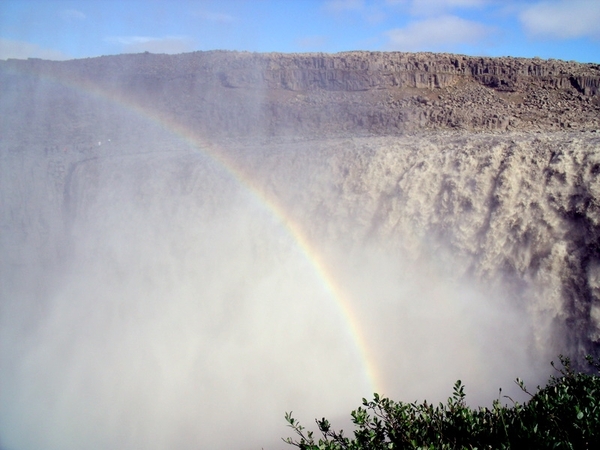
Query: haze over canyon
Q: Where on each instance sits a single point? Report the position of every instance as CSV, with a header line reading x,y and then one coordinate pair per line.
x,y
193,244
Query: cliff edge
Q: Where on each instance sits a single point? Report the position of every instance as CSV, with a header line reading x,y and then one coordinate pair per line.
x,y
239,93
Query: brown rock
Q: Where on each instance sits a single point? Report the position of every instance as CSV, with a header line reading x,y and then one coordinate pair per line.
x,y
240,93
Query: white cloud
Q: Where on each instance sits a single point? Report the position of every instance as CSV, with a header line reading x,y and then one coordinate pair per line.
x,y
436,34
562,19
436,7
440,6
215,17
24,50
337,6
72,15
138,44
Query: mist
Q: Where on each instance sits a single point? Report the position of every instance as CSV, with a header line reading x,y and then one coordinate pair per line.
x,y
156,301
162,288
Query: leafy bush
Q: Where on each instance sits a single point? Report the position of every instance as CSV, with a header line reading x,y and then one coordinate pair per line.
x,y
564,414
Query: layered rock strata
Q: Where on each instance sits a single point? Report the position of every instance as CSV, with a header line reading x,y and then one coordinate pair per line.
x,y
231,93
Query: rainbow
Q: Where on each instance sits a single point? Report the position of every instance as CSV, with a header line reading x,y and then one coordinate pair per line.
x,y
268,201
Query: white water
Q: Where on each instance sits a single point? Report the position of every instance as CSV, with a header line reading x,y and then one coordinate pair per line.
x,y
150,301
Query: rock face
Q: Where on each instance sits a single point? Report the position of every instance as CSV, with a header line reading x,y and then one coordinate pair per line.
x,y
229,93
221,228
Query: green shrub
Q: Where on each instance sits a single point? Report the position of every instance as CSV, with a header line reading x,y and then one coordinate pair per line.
x,y
564,414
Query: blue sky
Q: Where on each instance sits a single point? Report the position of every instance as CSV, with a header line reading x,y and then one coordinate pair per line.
x,y
53,29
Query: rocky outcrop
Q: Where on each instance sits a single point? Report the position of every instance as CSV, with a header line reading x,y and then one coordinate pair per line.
x,y
232,93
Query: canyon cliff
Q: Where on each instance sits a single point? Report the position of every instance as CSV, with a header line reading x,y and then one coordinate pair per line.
x,y
230,93
220,228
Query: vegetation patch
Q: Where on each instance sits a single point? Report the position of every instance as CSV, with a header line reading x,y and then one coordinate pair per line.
x,y
565,414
